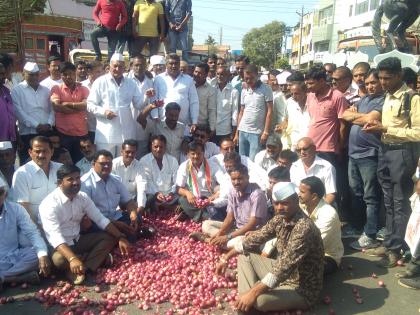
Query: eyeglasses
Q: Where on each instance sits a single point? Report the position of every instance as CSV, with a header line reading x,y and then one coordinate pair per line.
x,y
303,149
104,163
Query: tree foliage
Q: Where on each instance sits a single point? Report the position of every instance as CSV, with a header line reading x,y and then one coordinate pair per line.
x,y
281,63
263,44
211,43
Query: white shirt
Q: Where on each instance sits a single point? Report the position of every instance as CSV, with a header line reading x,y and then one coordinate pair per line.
x,y
210,149
297,123
84,166
106,94
227,109
31,185
129,175
32,107
182,178
61,217
182,91
49,83
279,109
320,168
263,160
91,117
327,221
174,137
155,179
143,87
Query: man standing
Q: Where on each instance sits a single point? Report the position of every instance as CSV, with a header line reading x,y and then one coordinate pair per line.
x,y
54,70
212,63
363,161
81,71
19,264
310,164
37,178
110,100
398,156
33,108
126,32
170,128
206,96
7,113
178,13
7,164
254,119
69,103
110,16
145,85
311,195
148,26
326,107
227,106
61,213
158,176
241,62
342,81
294,279
174,86
279,104
246,211
110,195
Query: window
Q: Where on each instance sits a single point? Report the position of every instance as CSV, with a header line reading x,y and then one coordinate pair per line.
x,y
40,44
351,10
29,43
325,16
374,4
361,6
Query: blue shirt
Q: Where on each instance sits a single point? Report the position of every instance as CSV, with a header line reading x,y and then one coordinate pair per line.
x,y
177,10
15,223
107,195
361,143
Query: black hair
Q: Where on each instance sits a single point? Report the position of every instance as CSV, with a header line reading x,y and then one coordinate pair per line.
x,y
85,138
409,76
211,56
53,58
139,56
95,64
242,169
130,142
66,170
316,73
315,185
6,60
251,69
289,155
242,58
373,72
296,76
274,72
159,138
58,152
232,156
204,66
203,127
80,62
40,139
173,57
99,153
194,145
345,70
172,106
280,173
67,66
362,64
391,65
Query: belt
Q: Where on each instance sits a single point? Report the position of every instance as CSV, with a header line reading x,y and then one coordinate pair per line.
x,y
397,146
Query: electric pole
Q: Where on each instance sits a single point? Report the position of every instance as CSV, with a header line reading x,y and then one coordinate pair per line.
x,y
220,36
301,14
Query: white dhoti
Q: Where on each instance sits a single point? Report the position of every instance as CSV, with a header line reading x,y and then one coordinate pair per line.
x,y
18,262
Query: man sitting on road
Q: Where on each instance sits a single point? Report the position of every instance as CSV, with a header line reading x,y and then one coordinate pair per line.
x,y
294,279
19,264
268,158
110,195
310,164
311,194
158,176
246,211
61,213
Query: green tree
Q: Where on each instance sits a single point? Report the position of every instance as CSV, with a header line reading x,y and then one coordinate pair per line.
x,y
263,44
281,63
211,45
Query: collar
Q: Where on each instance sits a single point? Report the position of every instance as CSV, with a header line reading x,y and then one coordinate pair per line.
x,y
180,75
228,86
248,190
96,177
65,87
400,92
111,78
320,204
37,168
63,198
298,215
328,95
351,90
258,84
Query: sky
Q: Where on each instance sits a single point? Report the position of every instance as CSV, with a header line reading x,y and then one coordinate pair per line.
x,y
237,17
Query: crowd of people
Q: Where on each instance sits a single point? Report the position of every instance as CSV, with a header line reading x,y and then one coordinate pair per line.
x,y
273,164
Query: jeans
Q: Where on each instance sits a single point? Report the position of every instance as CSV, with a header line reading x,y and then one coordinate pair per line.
x,y
112,36
141,41
72,143
395,168
365,192
182,39
121,44
249,144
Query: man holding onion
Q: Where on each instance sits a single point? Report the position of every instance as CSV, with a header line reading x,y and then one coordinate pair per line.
x,y
294,279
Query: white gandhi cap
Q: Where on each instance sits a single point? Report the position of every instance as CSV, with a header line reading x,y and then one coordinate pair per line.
x,y
283,190
117,57
5,145
31,67
157,60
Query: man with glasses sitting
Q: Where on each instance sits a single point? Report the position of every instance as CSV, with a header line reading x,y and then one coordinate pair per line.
x,y
309,164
